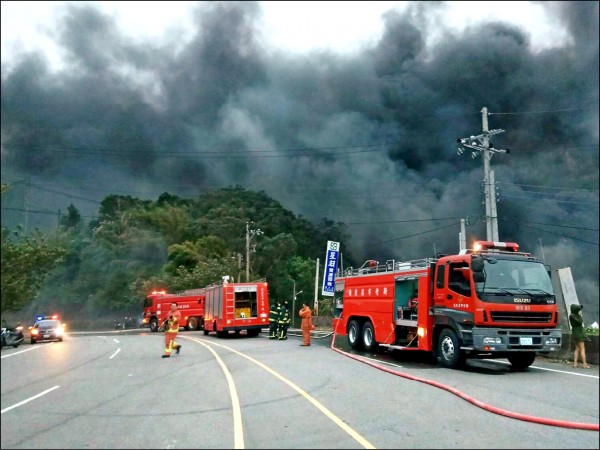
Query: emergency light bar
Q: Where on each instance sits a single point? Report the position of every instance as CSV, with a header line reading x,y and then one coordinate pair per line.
x,y
159,292
490,245
53,316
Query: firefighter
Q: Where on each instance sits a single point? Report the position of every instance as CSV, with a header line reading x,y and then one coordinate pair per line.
x,y
306,326
284,321
274,320
171,329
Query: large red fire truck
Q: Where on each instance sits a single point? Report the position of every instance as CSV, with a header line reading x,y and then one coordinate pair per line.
x,y
158,304
236,307
491,301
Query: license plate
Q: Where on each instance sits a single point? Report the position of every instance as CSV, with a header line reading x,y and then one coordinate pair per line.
x,y
526,341
46,336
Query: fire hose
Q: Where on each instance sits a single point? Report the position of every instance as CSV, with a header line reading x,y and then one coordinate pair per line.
x,y
474,401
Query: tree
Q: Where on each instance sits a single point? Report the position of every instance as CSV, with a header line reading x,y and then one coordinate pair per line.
x,y
72,220
26,261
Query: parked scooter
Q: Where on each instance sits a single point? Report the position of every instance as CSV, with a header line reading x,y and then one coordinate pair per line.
x,y
11,335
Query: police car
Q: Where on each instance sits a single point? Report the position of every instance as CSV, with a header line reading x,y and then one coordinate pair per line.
x,y
46,328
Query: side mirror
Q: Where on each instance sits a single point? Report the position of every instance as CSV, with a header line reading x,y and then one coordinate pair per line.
x,y
478,277
477,264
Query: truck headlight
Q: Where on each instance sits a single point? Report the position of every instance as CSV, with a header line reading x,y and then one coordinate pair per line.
x,y
551,341
492,340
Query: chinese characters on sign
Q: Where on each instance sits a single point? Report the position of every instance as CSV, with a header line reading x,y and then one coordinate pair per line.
x,y
331,262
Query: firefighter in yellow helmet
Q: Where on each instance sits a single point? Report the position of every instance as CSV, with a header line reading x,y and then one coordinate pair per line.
x,y
171,330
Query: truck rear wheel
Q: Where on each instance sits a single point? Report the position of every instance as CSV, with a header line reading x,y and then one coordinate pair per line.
x,y
521,361
192,324
354,334
368,337
154,324
449,350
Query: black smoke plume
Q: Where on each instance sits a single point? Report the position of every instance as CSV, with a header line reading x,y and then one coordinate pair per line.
x,y
368,139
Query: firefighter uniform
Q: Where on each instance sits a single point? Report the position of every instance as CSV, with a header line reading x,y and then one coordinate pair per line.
x,y
171,330
284,321
306,326
274,320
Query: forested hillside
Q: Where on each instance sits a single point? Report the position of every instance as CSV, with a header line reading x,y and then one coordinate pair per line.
x,y
134,246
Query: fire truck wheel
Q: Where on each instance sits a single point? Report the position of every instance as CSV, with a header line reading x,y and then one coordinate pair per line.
x,y
368,336
521,361
354,333
154,325
449,350
205,331
192,324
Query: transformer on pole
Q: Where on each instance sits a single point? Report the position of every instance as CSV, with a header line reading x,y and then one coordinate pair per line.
x,y
481,144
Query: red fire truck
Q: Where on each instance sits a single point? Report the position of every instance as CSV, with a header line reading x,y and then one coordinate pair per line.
x,y
158,304
491,301
236,307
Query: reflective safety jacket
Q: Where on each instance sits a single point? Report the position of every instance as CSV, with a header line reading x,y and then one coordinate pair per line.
x,y
284,316
274,314
173,325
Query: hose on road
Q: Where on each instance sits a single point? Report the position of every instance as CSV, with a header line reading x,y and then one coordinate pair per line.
x,y
492,409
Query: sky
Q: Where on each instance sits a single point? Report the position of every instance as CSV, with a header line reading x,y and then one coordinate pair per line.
x,y
348,111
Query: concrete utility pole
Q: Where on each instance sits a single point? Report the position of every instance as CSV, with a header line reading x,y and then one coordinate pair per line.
x,y
481,144
462,239
249,235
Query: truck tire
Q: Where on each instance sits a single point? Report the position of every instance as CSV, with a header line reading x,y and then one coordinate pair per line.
x,y
354,334
521,361
192,324
449,351
368,337
253,332
222,334
154,324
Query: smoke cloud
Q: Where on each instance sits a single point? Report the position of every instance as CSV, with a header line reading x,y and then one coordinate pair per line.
x,y
368,139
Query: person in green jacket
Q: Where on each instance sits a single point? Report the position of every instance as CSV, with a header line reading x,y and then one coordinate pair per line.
x,y
578,335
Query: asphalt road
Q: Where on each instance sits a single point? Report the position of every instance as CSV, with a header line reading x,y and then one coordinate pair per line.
x,y
113,390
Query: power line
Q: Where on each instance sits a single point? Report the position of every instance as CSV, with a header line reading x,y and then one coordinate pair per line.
x,y
53,213
401,221
547,187
561,235
417,234
539,111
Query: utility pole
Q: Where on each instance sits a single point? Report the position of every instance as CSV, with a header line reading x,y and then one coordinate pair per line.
x,y
250,234
462,239
247,254
481,144
294,304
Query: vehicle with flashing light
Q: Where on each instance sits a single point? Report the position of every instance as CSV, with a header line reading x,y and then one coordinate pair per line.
x,y
491,301
236,307
158,304
46,328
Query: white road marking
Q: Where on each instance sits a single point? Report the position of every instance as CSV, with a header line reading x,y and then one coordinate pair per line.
x,y
115,353
238,429
23,351
29,399
339,422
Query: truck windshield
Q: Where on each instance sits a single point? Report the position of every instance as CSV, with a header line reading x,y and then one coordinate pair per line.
x,y
147,302
514,276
